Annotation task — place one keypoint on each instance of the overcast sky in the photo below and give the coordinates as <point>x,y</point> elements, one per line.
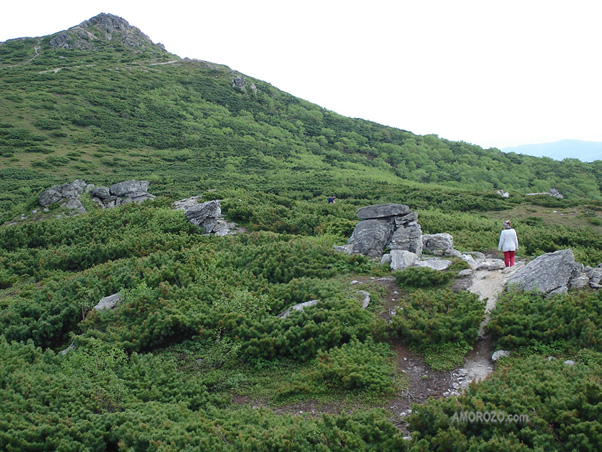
<point>491,73</point>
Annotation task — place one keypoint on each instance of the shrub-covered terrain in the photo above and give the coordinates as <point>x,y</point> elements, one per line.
<point>196,356</point>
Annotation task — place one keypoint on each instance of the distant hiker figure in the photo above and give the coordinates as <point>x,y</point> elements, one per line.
<point>331,199</point>
<point>508,243</point>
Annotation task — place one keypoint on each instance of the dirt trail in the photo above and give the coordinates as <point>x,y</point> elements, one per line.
<point>487,285</point>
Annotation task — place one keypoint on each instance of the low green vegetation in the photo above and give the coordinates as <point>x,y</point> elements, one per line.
<point>197,355</point>
<point>528,403</point>
<point>440,324</point>
<point>562,323</point>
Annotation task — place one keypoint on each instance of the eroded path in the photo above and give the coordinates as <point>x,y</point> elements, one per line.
<point>487,285</point>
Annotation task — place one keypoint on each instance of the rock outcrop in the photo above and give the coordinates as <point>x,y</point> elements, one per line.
<point>395,227</point>
<point>392,226</point>
<point>549,273</point>
<point>69,194</point>
<point>206,216</point>
<point>104,27</point>
<point>121,193</point>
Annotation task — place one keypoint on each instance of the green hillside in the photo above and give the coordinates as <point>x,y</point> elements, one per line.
<point>76,104</point>
<point>196,356</point>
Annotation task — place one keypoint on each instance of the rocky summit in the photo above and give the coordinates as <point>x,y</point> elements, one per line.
<point>102,28</point>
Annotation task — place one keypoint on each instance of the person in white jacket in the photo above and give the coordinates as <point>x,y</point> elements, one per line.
<point>508,243</point>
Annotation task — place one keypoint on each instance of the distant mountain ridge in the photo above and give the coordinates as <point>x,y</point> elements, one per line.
<point>586,151</point>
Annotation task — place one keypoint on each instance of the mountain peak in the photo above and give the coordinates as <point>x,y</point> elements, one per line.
<point>103,28</point>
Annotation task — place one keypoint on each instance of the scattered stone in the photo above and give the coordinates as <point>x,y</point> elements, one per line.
<point>68,349</point>
<point>435,263</point>
<point>492,264</point>
<point>499,354</point>
<point>383,226</point>
<point>69,194</point>
<point>207,216</point>
<point>345,249</point>
<point>298,307</point>
<point>366,300</point>
<point>465,273</point>
<point>569,362</point>
<point>108,302</point>
<point>405,413</point>
<point>551,192</point>
<point>386,259</point>
<point>454,253</point>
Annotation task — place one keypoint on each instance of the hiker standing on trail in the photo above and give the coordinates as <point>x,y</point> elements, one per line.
<point>508,243</point>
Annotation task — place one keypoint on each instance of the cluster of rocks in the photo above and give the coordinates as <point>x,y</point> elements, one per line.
<point>86,35</point>
<point>551,192</point>
<point>555,273</point>
<point>394,227</point>
<point>383,226</point>
<point>69,194</point>
<point>121,193</point>
<point>206,215</point>
<point>240,82</point>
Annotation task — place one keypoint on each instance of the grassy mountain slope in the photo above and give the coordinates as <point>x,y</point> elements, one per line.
<point>195,355</point>
<point>77,104</point>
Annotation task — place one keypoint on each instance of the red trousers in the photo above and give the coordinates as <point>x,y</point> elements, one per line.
<point>509,258</point>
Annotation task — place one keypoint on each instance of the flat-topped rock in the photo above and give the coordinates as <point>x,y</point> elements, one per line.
<point>382,211</point>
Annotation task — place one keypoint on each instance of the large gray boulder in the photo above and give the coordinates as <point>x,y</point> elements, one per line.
<point>101,192</point>
<point>402,259</point>
<point>382,211</point>
<point>383,226</point>
<point>370,237</point>
<point>549,273</point>
<point>205,215</point>
<point>75,204</point>
<point>407,237</point>
<point>50,196</point>
<point>137,197</point>
<point>438,242</point>
<point>129,187</point>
